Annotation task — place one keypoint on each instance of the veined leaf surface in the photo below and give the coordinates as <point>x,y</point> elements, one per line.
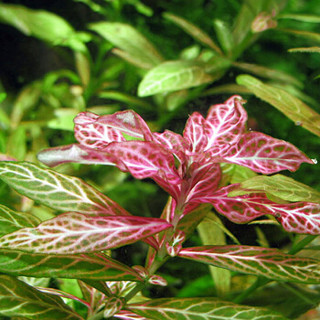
<point>266,262</point>
<point>57,190</point>
<point>200,309</point>
<point>292,107</point>
<point>173,76</point>
<point>80,266</point>
<point>12,220</point>
<point>280,186</point>
<point>78,233</point>
<point>19,299</point>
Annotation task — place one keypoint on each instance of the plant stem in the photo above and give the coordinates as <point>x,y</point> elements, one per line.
<point>301,244</point>
<point>134,291</point>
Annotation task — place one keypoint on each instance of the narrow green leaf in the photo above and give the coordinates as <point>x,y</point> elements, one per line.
<point>19,299</point>
<point>300,17</point>
<point>41,24</point>
<point>292,107</point>
<point>11,221</point>
<point>193,30</point>
<point>269,263</point>
<point>17,141</point>
<point>313,36</point>
<point>78,266</point>
<point>280,186</point>
<point>307,49</point>
<point>211,234</point>
<point>200,309</point>
<point>174,75</point>
<point>128,39</point>
<point>268,73</point>
<point>56,190</point>
<point>224,35</point>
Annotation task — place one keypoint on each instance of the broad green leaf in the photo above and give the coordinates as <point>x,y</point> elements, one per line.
<point>280,186</point>
<point>74,232</point>
<point>292,107</point>
<point>56,190</point>
<point>307,49</point>
<point>192,30</point>
<point>41,24</point>
<point>129,40</point>
<point>200,309</point>
<point>12,220</point>
<point>268,73</point>
<point>19,299</point>
<point>211,234</point>
<point>80,266</point>
<point>174,75</point>
<point>269,263</point>
<point>300,17</point>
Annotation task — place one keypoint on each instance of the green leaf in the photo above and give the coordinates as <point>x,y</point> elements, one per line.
<point>3,96</point>
<point>313,36</point>
<point>268,73</point>
<point>200,309</point>
<point>192,30</point>
<point>280,186</point>
<point>308,49</point>
<point>300,17</point>
<point>16,146</point>
<point>41,24</point>
<point>174,75</point>
<point>269,263</point>
<point>211,234</point>
<point>56,190</point>
<point>11,221</point>
<point>130,41</point>
<point>292,107</point>
<point>77,266</point>
<point>224,35</point>
<point>19,299</point>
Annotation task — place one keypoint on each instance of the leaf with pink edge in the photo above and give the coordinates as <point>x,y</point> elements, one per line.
<point>57,190</point>
<point>300,217</point>
<point>225,123</point>
<point>21,300</point>
<point>264,154</point>
<point>200,309</point>
<point>128,315</point>
<point>78,233</point>
<point>266,262</point>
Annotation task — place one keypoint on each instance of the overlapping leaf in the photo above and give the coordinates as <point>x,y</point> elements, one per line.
<point>292,107</point>
<point>19,299</point>
<point>280,186</point>
<point>57,190</point>
<point>266,262</point>
<point>300,217</point>
<point>12,220</point>
<point>199,309</point>
<point>78,233</point>
<point>93,266</point>
<point>264,154</point>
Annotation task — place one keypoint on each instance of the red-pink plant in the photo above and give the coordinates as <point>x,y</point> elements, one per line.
<point>188,166</point>
<point>192,168</point>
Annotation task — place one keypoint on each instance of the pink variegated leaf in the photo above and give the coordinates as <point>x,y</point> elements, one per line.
<point>225,123</point>
<point>125,122</point>
<point>78,233</point>
<point>173,142</point>
<point>266,262</point>
<point>194,133</point>
<point>112,306</point>
<point>264,154</point>
<point>91,133</point>
<point>299,217</point>
<point>205,180</point>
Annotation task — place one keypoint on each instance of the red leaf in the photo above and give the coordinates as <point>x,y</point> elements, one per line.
<point>225,123</point>
<point>265,154</point>
<point>300,217</point>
